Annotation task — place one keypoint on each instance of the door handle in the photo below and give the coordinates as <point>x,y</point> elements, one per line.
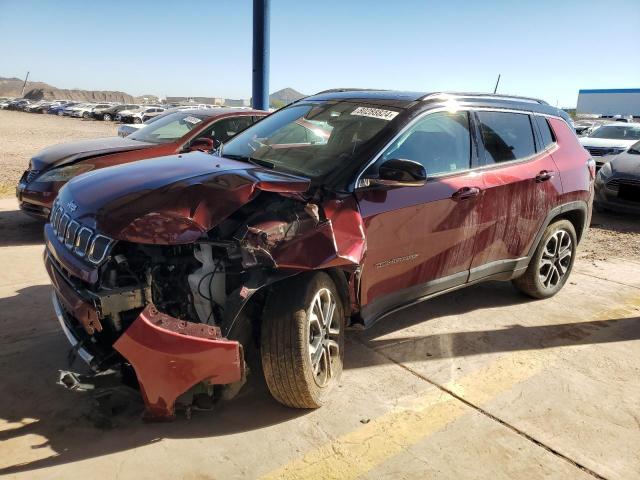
<point>466,192</point>
<point>545,175</point>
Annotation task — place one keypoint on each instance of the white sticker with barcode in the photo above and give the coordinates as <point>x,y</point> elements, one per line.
<point>191,119</point>
<point>375,113</point>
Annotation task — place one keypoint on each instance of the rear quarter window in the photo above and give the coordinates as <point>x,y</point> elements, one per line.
<point>545,131</point>
<point>506,136</point>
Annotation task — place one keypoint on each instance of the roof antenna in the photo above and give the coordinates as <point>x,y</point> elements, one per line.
<point>497,83</point>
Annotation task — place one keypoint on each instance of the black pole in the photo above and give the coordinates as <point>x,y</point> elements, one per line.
<point>260,90</point>
<point>24,84</point>
<point>497,83</point>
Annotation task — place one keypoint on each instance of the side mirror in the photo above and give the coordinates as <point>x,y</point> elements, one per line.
<point>201,145</point>
<point>398,172</point>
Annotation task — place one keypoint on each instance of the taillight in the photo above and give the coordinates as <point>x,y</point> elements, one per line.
<point>591,165</point>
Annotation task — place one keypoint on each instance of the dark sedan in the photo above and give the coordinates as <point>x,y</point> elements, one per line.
<point>109,114</point>
<point>618,183</point>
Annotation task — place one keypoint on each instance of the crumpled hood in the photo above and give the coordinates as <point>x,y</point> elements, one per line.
<point>626,164</point>
<point>65,153</point>
<point>605,142</point>
<point>169,200</point>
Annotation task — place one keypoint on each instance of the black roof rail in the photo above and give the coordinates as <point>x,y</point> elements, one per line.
<point>338,90</point>
<point>495,96</point>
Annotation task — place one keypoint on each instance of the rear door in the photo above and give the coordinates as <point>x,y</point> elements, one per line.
<point>521,185</point>
<point>420,239</point>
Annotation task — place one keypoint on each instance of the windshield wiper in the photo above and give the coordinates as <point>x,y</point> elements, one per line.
<point>255,161</point>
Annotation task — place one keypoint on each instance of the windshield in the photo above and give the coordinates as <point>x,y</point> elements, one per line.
<point>617,132</point>
<point>168,128</point>
<point>312,138</point>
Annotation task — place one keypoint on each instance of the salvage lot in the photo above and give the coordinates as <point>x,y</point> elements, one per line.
<point>480,383</point>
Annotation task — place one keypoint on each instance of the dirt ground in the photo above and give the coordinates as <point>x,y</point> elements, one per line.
<point>24,134</point>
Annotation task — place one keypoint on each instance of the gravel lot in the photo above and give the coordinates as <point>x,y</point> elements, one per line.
<point>24,134</point>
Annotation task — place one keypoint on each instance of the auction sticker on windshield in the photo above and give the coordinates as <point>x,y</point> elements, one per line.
<point>375,113</point>
<point>192,120</point>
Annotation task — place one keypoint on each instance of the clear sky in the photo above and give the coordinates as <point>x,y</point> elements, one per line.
<point>548,49</point>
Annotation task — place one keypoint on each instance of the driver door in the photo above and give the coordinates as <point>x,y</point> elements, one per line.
<point>420,239</point>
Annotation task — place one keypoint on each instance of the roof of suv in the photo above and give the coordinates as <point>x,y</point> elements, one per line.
<point>408,99</point>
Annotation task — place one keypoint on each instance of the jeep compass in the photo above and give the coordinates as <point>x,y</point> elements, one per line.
<point>336,211</point>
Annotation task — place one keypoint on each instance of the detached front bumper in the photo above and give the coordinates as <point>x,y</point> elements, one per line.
<point>168,355</point>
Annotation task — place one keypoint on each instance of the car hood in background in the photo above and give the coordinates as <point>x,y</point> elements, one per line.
<point>170,200</point>
<point>66,153</point>
<point>605,142</point>
<point>626,164</point>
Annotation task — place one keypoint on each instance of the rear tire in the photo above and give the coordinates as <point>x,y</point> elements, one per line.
<point>137,120</point>
<point>552,262</point>
<point>302,353</point>
<point>86,115</point>
<point>106,117</point>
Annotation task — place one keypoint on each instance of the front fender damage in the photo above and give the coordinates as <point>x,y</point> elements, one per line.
<point>170,356</point>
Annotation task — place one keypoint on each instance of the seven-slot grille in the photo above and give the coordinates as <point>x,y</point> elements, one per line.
<point>81,240</point>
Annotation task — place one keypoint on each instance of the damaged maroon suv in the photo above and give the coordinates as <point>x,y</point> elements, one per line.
<point>335,211</point>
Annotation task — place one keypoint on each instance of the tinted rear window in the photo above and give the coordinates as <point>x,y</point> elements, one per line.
<point>545,131</point>
<point>506,136</point>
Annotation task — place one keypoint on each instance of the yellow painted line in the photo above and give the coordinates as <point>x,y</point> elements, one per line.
<point>361,450</point>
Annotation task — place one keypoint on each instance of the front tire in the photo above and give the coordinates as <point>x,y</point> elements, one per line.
<point>106,117</point>
<point>552,262</point>
<point>86,115</point>
<point>137,120</point>
<point>302,340</point>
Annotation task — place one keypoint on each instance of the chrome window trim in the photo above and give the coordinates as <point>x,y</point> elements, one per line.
<point>462,108</point>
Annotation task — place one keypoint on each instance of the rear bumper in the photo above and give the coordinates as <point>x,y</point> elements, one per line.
<point>168,355</point>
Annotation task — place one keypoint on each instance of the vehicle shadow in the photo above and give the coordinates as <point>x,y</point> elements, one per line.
<point>76,426</point>
<point>16,228</point>
<point>616,222</point>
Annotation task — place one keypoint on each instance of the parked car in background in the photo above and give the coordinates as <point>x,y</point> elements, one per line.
<point>176,132</point>
<point>18,104</point>
<point>135,115</point>
<point>59,109</point>
<point>70,109</point>
<point>99,109</point>
<point>126,129</point>
<point>4,104</point>
<point>148,113</point>
<point>36,107</point>
<point>84,110</point>
<point>607,141</point>
<point>618,182</point>
<point>274,247</point>
<point>109,114</point>
<point>583,127</point>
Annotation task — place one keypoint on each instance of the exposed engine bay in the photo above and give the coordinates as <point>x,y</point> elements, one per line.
<point>192,282</point>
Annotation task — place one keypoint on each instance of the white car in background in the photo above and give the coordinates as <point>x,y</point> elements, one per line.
<point>136,115</point>
<point>79,110</point>
<point>129,128</point>
<point>609,140</point>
